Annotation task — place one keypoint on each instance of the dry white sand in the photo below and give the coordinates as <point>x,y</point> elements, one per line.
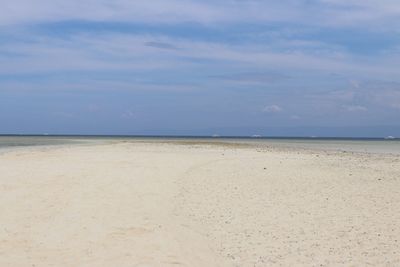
<point>169,204</point>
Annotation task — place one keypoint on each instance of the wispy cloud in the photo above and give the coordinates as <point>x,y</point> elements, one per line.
<point>272,109</point>
<point>295,117</point>
<point>161,45</point>
<point>231,57</point>
<point>362,96</point>
<point>253,77</point>
<point>129,51</point>
<point>356,108</point>
<point>325,12</point>
<point>128,114</point>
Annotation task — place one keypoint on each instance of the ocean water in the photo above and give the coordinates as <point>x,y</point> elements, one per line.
<point>348,145</point>
<point>9,142</point>
<point>338,144</point>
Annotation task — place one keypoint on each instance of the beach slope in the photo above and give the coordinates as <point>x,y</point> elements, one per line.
<point>197,204</point>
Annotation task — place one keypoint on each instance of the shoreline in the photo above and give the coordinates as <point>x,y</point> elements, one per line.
<point>362,146</point>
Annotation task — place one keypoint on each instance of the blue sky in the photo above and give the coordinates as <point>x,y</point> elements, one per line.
<point>304,67</point>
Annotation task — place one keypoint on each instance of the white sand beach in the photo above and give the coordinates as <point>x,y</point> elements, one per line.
<point>198,204</point>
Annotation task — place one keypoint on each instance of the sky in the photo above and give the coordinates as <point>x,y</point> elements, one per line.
<point>188,67</point>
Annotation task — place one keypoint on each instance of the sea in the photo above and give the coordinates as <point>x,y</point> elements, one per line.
<point>8,142</point>
<point>367,145</point>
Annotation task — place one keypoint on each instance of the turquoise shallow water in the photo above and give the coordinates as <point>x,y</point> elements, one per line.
<point>355,145</point>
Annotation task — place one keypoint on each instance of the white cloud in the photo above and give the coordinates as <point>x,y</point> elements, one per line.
<point>114,51</point>
<point>272,109</point>
<point>367,95</point>
<point>314,13</point>
<point>355,83</point>
<point>155,11</point>
<point>253,77</point>
<point>295,117</point>
<point>128,114</point>
<point>356,108</point>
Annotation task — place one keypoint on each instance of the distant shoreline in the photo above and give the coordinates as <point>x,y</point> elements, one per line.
<point>207,137</point>
<point>362,145</point>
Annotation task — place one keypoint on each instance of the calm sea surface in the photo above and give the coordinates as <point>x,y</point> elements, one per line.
<point>353,145</point>
<point>356,145</point>
<point>8,142</point>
